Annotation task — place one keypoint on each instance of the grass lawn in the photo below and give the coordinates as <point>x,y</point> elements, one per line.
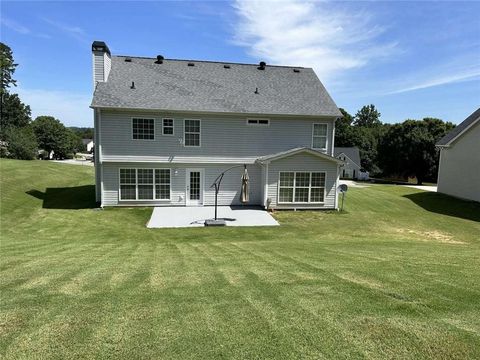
<point>395,276</point>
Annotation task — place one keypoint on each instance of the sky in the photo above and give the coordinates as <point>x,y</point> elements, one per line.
<point>411,59</point>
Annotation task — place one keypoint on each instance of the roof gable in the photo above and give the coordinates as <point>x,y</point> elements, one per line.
<point>212,87</point>
<point>295,151</point>
<point>460,129</point>
<point>353,153</point>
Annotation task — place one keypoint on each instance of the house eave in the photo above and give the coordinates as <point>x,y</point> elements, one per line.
<point>278,115</point>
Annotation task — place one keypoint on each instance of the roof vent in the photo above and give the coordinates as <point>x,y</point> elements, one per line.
<point>296,70</point>
<point>128,60</point>
<point>133,85</point>
<point>262,65</point>
<point>256,91</point>
<point>159,59</point>
<point>226,66</point>
<point>191,64</point>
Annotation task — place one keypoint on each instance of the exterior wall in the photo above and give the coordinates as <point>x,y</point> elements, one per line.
<point>229,191</point>
<point>222,136</point>
<point>102,63</point>
<point>304,162</point>
<point>96,140</point>
<point>459,172</point>
<point>350,170</point>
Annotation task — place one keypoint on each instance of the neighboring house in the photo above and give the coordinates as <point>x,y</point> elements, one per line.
<point>88,143</point>
<point>351,157</point>
<point>459,168</point>
<point>165,129</point>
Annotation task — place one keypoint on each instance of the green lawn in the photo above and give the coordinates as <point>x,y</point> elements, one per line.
<point>395,276</point>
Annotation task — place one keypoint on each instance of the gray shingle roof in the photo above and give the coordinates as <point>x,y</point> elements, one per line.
<point>352,152</point>
<point>459,128</point>
<point>210,87</point>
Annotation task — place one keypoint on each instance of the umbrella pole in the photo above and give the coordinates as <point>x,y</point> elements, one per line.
<point>216,194</point>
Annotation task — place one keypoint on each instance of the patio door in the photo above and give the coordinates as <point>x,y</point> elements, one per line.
<point>194,190</point>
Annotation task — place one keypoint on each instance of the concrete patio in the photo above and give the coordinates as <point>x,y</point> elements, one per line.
<point>177,217</point>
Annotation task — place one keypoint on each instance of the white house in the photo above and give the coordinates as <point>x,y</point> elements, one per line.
<point>88,143</point>
<point>351,157</point>
<point>166,128</point>
<point>459,168</point>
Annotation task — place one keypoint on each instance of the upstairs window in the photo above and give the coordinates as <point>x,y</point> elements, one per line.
<point>192,132</point>
<point>167,127</point>
<point>143,129</point>
<point>319,138</point>
<point>258,122</point>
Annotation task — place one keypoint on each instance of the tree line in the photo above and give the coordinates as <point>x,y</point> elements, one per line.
<point>396,151</point>
<point>20,137</point>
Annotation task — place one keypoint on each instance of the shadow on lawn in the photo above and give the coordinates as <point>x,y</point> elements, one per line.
<point>446,205</point>
<point>78,197</point>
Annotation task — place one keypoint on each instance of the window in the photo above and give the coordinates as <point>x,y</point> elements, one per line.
<point>128,179</point>
<point>258,122</point>
<point>192,133</point>
<point>319,138</point>
<point>162,184</point>
<point>144,184</point>
<point>167,127</point>
<point>301,187</point>
<point>143,129</point>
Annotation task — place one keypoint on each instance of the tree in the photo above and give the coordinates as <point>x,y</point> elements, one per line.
<point>22,143</point>
<point>343,129</point>
<point>408,149</point>
<point>7,67</point>
<point>14,113</point>
<point>52,135</point>
<point>367,116</point>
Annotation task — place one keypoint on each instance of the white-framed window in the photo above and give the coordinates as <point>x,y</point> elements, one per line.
<point>143,129</point>
<point>258,122</point>
<point>320,136</point>
<point>301,187</point>
<point>191,132</point>
<point>145,184</point>
<point>167,127</point>
<point>128,184</point>
<point>162,184</point>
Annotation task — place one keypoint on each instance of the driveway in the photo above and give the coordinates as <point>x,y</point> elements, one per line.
<point>180,216</point>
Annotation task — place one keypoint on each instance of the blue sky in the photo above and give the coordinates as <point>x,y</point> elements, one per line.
<point>411,59</point>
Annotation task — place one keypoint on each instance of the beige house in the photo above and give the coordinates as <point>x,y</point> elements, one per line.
<point>459,168</point>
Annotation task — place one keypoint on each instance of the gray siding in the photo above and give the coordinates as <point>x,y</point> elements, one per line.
<point>222,136</point>
<point>459,172</point>
<point>229,192</point>
<point>102,63</point>
<point>303,162</point>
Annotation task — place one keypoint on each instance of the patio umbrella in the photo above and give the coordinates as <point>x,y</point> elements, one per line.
<point>245,196</point>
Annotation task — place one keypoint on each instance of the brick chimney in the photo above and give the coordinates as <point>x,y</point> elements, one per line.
<point>101,62</point>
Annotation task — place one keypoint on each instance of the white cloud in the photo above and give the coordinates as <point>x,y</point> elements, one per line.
<point>19,28</point>
<point>74,31</point>
<point>467,73</point>
<point>70,108</point>
<point>317,34</point>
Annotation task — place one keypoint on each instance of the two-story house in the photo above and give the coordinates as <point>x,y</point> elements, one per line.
<point>165,129</point>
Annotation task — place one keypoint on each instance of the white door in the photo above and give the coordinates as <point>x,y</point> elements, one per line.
<point>194,191</point>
